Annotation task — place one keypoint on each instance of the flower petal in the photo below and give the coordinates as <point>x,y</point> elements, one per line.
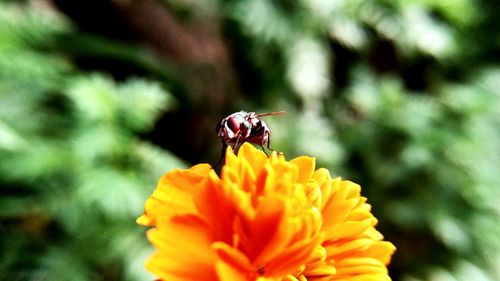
<point>253,156</point>
<point>268,233</point>
<point>215,204</point>
<point>178,240</point>
<point>173,194</point>
<point>264,219</point>
<point>306,166</point>
<point>294,256</point>
<point>232,265</point>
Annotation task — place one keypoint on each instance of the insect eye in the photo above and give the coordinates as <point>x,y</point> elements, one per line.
<point>233,124</point>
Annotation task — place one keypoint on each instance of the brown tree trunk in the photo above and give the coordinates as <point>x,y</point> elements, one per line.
<point>196,46</point>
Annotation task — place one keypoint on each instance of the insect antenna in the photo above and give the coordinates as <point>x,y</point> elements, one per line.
<point>271,113</point>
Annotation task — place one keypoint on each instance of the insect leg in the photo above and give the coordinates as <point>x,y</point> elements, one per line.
<point>264,150</point>
<point>222,153</point>
<point>236,143</point>
<point>266,137</point>
<point>269,142</point>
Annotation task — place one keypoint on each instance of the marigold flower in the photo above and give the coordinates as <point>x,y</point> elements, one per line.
<point>263,219</point>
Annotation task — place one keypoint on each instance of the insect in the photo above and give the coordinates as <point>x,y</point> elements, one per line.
<point>243,126</point>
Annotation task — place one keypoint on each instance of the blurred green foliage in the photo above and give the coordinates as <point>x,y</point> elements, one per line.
<point>399,96</point>
<point>74,173</point>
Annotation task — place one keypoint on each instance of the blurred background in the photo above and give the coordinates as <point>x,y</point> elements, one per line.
<point>99,98</point>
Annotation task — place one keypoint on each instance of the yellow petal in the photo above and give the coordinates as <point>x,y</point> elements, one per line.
<point>322,179</point>
<point>173,194</point>
<point>320,271</point>
<point>359,266</point>
<point>215,204</point>
<point>348,229</point>
<point>178,240</point>
<point>349,247</point>
<point>268,233</point>
<point>232,265</point>
<point>381,250</point>
<point>306,166</point>
<point>253,156</point>
<point>336,211</point>
<point>143,220</point>
<point>292,258</point>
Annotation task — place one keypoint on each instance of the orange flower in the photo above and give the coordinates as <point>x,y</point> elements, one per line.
<point>263,219</point>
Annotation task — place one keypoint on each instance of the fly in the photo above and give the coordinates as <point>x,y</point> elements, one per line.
<point>243,126</point>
